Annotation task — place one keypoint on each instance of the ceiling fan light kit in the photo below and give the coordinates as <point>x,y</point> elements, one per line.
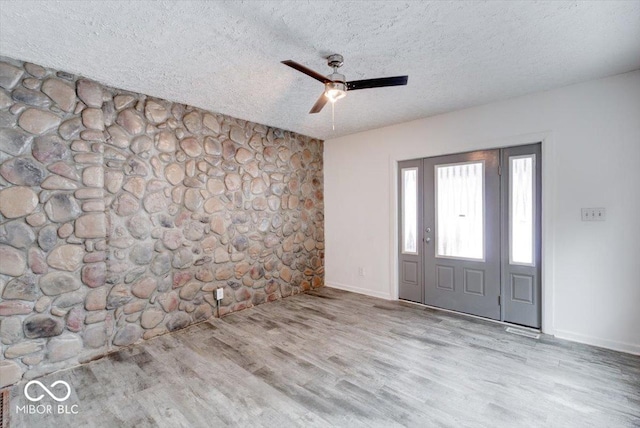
<point>336,85</point>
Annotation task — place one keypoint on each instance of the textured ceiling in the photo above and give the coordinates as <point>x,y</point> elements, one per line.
<point>225,56</point>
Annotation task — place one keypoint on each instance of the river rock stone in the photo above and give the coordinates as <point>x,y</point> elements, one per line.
<point>141,254</point>
<point>178,321</point>
<point>9,75</point>
<point>211,122</point>
<point>12,261</point>
<point>11,330</point>
<point>128,335</point>
<point>48,237</point>
<point>35,70</point>
<point>17,201</point>
<point>212,146</point>
<point>125,205</point>
<point>144,287</point>
<point>22,288</point>
<point>131,121</point>
<point>174,173</point>
<point>155,112</point>
<point>151,318</point>
<point>191,147</point>
<point>94,274</point>
<point>233,181</point>
<point>91,226</point>
<point>190,291</point>
<point>10,372</point>
<point>75,319</point>
<point>37,326</point>
<point>5,100</point>
<point>169,301</point>
<point>62,207</point>
<point>118,136</point>
<point>193,122</point>
<point>243,155</point>
<point>55,182</point>
<point>139,227</point>
<point>93,118</point>
<point>61,93</point>
<point>38,121</point>
<point>17,234</point>
<point>166,142</point>
<point>113,180</point>
<point>13,141</point>
<point>49,149</point>
<point>124,101</point>
<point>95,336</point>
<point>193,199</point>
<point>66,257</point>
<point>155,202</point>
<point>71,128</point>
<point>55,283</point>
<point>64,347</point>
<point>90,93</point>
<point>31,97</point>
<point>182,258</point>
<point>161,263</point>
<point>23,172</point>
<point>93,176</point>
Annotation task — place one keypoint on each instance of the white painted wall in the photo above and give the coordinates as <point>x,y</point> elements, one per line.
<point>591,155</point>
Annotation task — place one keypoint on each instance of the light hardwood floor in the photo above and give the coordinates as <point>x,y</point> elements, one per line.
<point>333,358</point>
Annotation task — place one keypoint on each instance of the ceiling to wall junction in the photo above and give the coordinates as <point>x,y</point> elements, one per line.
<point>225,56</point>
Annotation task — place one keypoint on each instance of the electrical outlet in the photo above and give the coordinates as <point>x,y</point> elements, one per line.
<point>219,293</point>
<point>360,271</point>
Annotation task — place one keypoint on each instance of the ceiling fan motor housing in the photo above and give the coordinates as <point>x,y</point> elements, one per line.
<point>335,61</point>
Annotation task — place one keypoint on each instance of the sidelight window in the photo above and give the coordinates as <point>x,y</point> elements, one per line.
<point>410,210</point>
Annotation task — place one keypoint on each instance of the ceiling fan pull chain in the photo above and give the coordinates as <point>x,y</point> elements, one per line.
<point>333,116</point>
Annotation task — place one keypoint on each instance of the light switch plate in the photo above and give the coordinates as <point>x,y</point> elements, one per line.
<point>594,214</point>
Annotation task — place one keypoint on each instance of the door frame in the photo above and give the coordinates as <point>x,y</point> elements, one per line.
<point>546,138</point>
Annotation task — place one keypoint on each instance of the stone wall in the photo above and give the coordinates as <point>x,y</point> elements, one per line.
<point>120,214</point>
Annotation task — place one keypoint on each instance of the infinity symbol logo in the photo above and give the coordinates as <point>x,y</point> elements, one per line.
<point>51,394</point>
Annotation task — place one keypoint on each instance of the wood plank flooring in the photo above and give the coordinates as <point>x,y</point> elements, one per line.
<point>333,358</point>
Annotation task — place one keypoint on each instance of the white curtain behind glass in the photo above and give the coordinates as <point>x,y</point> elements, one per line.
<point>410,211</point>
<point>460,211</point>
<point>522,209</point>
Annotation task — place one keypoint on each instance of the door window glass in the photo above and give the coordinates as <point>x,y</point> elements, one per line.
<point>410,210</point>
<point>460,210</point>
<point>521,209</point>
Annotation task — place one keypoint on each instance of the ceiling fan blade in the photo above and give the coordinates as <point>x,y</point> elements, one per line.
<point>377,83</point>
<point>309,72</point>
<point>319,104</point>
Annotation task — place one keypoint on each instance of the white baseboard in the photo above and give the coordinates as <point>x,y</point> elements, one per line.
<point>359,290</point>
<point>629,348</point>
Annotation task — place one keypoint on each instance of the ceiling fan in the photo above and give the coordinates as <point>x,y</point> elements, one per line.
<point>335,85</point>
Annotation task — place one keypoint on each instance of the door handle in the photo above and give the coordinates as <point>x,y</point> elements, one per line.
<point>427,240</point>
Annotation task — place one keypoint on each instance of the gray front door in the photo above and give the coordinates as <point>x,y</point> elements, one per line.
<point>461,230</point>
